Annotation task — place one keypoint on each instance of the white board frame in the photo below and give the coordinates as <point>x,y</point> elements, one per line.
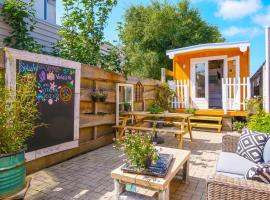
<point>11,55</point>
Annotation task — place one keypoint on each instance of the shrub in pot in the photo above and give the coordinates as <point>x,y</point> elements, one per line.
<point>139,150</point>
<point>18,120</point>
<point>127,107</point>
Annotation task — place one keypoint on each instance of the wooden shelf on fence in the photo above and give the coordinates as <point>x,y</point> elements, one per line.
<point>91,120</point>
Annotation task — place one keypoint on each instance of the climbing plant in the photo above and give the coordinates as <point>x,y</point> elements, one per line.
<point>20,16</point>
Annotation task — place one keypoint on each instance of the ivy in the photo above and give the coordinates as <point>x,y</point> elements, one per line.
<point>20,16</point>
<point>81,33</point>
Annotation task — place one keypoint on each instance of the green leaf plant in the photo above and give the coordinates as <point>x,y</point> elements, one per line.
<point>19,114</point>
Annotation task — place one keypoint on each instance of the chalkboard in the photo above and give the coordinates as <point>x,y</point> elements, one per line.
<point>55,88</point>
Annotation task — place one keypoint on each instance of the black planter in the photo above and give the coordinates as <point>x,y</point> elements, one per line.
<point>102,99</point>
<point>95,98</point>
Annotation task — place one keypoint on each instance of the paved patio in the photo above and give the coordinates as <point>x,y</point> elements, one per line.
<point>88,176</point>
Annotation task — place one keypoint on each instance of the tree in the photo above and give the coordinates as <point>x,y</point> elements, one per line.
<point>148,31</point>
<point>81,33</point>
<point>20,16</point>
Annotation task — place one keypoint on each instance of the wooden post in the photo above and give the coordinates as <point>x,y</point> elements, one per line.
<point>163,75</point>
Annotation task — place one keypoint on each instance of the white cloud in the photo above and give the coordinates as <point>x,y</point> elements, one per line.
<point>263,19</point>
<point>237,9</point>
<point>234,31</point>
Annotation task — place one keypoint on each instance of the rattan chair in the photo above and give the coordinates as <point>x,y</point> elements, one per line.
<point>220,187</point>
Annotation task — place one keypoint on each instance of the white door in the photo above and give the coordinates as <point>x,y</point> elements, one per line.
<point>199,84</point>
<point>233,73</point>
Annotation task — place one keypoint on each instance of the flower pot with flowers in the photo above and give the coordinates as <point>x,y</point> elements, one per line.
<point>99,96</point>
<point>139,150</point>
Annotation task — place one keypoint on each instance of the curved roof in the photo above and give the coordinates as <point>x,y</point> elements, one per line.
<point>228,45</point>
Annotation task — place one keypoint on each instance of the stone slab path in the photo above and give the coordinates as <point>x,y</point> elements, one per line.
<point>88,177</point>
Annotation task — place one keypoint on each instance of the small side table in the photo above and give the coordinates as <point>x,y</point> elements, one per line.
<point>161,185</point>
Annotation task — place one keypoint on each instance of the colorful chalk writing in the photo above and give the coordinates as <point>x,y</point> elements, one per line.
<point>54,83</point>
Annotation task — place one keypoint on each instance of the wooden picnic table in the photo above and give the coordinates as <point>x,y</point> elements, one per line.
<point>177,119</point>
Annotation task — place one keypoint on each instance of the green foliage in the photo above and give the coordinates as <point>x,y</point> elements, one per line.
<point>19,114</point>
<point>260,122</point>
<point>258,119</point>
<point>254,105</point>
<point>114,61</point>
<point>127,107</point>
<point>81,33</point>
<point>163,96</point>
<point>148,31</point>
<point>190,110</point>
<point>155,109</point>
<point>20,16</point>
<point>138,149</point>
<point>239,126</point>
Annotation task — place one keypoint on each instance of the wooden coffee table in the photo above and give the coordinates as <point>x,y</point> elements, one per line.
<point>161,185</point>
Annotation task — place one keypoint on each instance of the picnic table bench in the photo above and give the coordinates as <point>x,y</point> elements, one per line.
<point>206,122</point>
<point>174,130</point>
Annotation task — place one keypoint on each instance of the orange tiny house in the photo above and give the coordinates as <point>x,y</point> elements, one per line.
<point>213,78</point>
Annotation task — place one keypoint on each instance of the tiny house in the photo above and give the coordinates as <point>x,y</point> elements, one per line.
<point>213,78</point>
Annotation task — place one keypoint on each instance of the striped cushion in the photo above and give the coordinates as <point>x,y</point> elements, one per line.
<point>260,172</point>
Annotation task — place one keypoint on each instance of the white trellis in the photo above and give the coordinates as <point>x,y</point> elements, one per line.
<point>181,88</point>
<point>235,92</point>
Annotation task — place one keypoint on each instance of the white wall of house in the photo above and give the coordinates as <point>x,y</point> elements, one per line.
<point>46,30</point>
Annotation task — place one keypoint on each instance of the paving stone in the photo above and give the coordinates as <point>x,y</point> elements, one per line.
<point>91,172</point>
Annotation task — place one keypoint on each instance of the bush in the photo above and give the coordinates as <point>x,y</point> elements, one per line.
<point>163,96</point>
<point>260,122</point>
<point>19,114</point>
<point>239,126</point>
<point>155,109</point>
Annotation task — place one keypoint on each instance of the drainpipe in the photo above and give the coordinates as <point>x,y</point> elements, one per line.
<point>267,71</point>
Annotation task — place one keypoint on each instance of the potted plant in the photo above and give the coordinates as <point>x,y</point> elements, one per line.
<point>99,96</point>
<point>190,110</point>
<point>18,120</point>
<point>127,107</point>
<point>239,126</point>
<point>155,109</point>
<point>139,150</point>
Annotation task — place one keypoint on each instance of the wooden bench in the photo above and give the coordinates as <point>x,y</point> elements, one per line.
<point>178,132</point>
<point>203,122</point>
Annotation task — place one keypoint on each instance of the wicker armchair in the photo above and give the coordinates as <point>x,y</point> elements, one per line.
<point>220,187</point>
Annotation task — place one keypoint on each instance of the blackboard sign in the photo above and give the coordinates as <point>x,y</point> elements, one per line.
<point>55,96</point>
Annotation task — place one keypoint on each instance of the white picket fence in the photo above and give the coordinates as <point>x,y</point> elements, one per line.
<point>181,88</point>
<point>235,92</point>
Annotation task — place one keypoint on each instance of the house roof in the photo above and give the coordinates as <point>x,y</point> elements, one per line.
<point>228,45</point>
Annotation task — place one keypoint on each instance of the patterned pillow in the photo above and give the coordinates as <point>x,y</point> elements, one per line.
<point>251,145</point>
<point>260,172</point>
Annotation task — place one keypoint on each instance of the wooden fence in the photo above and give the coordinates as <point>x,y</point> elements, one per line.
<point>96,118</point>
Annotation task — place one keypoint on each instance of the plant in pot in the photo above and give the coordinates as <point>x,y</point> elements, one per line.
<point>139,150</point>
<point>127,107</point>
<point>99,96</point>
<point>18,120</point>
<point>190,110</point>
<point>239,126</point>
<point>155,109</point>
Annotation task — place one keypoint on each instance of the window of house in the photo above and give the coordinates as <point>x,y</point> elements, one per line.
<point>200,80</point>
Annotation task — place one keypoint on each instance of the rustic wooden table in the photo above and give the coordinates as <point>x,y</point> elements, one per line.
<point>161,185</point>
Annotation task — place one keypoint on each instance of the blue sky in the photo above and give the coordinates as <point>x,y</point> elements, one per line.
<point>238,20</point>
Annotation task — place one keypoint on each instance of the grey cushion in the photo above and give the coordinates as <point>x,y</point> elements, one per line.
<point>230,175</point>
<point>266,152</point>
<point>233,163</point>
